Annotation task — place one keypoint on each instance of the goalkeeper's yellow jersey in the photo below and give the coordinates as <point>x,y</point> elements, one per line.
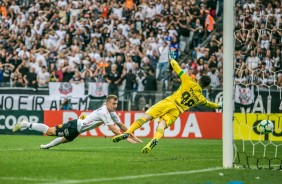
<point>189,94</point>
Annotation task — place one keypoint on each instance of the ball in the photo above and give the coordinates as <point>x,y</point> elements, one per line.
<point>266,126</point>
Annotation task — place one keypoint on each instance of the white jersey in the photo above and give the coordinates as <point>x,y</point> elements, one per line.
<point>97,118</point>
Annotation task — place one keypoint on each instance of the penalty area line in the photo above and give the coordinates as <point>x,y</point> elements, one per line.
<point>136,176</point>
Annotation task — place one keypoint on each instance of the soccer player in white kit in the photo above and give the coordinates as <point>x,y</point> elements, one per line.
<point>69,131</point>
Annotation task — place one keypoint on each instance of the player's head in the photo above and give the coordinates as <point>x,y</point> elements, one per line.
<point>204,81</point>
<point>111,103</point>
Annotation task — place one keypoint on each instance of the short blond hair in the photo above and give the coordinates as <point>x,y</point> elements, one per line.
<point>109,97</point>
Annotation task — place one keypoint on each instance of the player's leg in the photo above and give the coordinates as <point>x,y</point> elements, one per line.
<point>23,124</point>
<point>55,142</point>
<point>137,124</point>
<point>158,135</point>
<point>155,111</point>
<point>165,121</point>
<point>67,130</point>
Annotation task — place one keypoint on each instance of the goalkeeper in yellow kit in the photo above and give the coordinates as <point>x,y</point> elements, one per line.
<point>188,95</point>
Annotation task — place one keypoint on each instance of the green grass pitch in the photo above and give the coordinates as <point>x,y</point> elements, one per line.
<point>99,161</point>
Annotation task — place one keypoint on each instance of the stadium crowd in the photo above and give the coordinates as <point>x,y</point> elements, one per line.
<point>119,42</point>
<point>258,43</point>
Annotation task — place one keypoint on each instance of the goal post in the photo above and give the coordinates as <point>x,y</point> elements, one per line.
<point>228,91</point>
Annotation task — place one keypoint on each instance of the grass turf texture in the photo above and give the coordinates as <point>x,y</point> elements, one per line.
<point>98,160</point>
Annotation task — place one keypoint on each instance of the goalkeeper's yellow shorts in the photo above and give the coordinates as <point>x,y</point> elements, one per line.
<point>165,110</point>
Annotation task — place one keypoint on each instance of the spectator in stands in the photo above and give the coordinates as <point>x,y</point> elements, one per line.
<point>24,54</point>
<point>53,77</point>
<point>209,22</point>
<point>153,59</point>
<point>63,35</point>
<point>150,87</point>
<point>113,79</point>
<point>252,61</point>
<point>213,74</point>
<point>76,79</point>
<point>130,80</point>
<point>67,73</point>
<point>87,73</point>
<point>174,47</point>
<point>198,33</point>
<point>43,77</point>
<point>163,63</point>
<point>18,80</point>
<point>174,82</point>
<point>99,75</point>
<point>213,63</point>
<point>66,105</point>
<point>185,31</point>
<point>140,89</point>
<point>7,69</point>
<point>31,78</point>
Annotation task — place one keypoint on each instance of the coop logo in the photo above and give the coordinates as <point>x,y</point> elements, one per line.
<point>8,122</point>
<point>277,132</point>
<point>65,88</point>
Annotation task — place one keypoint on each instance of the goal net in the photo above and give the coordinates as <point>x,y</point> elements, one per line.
<point>257,84</point>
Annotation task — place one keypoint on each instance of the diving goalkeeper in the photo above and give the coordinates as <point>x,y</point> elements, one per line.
<point>188,95</point>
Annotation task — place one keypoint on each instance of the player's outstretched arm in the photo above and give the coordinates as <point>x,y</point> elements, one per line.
<point>178,70</point>
<point>117,132</point>
<point>136,138</point>
<point>213,105</point>
<point>124,128</point>
<point>205,102</point>
<point>176,67</point>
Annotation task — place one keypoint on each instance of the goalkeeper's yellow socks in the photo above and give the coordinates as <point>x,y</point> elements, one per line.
<point>159,134</point>
<point>137,124</point>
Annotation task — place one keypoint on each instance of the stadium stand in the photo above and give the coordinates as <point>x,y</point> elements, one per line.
<point>45,41</point>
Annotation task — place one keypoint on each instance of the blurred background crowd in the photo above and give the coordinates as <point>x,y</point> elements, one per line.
<point>127,43</point>
<point>258,43</point>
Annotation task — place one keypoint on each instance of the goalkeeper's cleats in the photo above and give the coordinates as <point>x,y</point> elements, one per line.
<point>120,137</point>
<point>20,125</point>
<point>149,146</point>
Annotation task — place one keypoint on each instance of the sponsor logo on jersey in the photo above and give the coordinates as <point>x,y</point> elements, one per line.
<point>61,134</point>
<point>66,132</point>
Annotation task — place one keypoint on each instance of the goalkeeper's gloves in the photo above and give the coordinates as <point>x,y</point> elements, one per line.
<point>220,105</point>
<point>171,55</point>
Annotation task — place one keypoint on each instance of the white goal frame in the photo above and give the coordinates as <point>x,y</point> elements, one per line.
<point>228,91</point>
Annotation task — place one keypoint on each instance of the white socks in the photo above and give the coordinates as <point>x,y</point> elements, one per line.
<point>53,143</point>
<point>39,127</point>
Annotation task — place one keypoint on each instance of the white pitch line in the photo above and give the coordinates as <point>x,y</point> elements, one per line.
<point>26,179</point>
<point>54,181</point>
<point>136,176</point>
<point>87,148</point>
